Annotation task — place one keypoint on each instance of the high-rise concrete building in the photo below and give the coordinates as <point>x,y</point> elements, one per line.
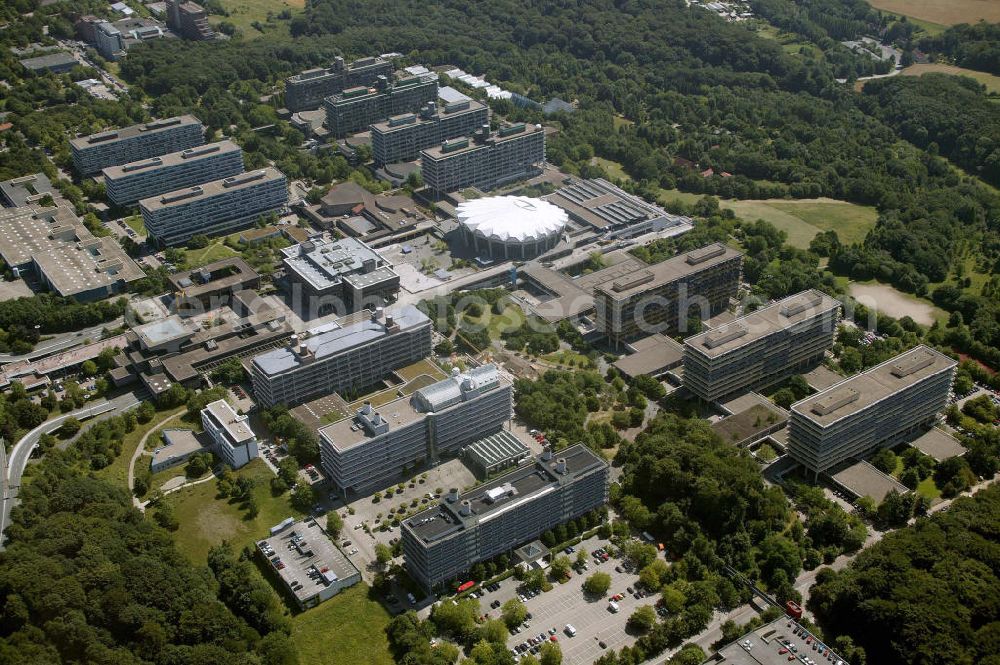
<point>214,208</point>
<point>356,353</point>
<point>346,274</point>
<point>373,448</point>
<point>486,160</point>
<point>189,20</point>
<point>402,137</point>
<point>355,108</point>
<point>445,541</point>
<point>108,41</point>
<point>235,442</point>
<point>130,183</point>
<point>663,296</point>
<point>886,405</point>
<point>131,144</point>
<point>761,348</point>
<point>306,91</point>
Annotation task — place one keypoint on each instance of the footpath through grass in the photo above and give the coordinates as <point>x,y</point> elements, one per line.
<point>117,471</point>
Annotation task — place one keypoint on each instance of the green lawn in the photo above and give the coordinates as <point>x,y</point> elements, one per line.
<point>614,169</point>
<point>135,223</point>
<point>348,628</point>
<point>206,520</point>
<point>117,471</point>
<point>243,13</point>
<point>667,195</point>
<point>803,219</point>
<point>195,258</point>
<point>619,121</point>
<point>565,357</point>
<point>496,324</point>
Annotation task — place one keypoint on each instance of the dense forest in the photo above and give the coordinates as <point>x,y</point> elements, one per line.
<point>975,46</point>
<point>926,594</point>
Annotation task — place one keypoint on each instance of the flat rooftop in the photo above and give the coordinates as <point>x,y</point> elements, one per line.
<point>27,189</point>
<point>863,479</point>
<point>600,204</point>
<point>347,333</point>
<point>403,120</point>
<point>155,333</point>
<point>499,136</point>
<point>671,270</point>
<point>60,59</point>
<point>84,142</point>
<point>231,272</point>
<point>651,355</point>
<point>938,444</point>
<point>325,263</point>
<point>526,482</point>
<point>762,645</point>
<point>208,190</point>
<point>497,447</point>
<point>762,323</point>
<point>236,427</point>
<point>862,390</point>
<point>176,443</point>
<point>188,156</point>
<point>310,559</point>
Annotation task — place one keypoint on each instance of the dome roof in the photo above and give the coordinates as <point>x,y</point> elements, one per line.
<point>512,218</point>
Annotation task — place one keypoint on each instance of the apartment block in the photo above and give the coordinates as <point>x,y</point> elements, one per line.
<point>888,404</point>
<point>214,208</point>
<point>761,348</point>
<point>660,298</point>
<point>234,441</point>
<point>306,91</point>
<point>108,41</point>
<point>356,352</point>
<point>373,448</point>
<point>443,542</point>
<point>344,275</point>
<point>402,137</point>
<point>131,144</point>
<point>130,183</point>
<point>189,20</point>
<point>354,109</point>
<point>486,160</point>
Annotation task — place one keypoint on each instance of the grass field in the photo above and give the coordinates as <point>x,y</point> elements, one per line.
<point>206,520</point>
<point>803,219</point>
<point>243,13</point>
<point>943,12</point>
<point>613,168</point>
<point>565,357</point>
<point>895,303</point>
<point>667,195</point>
<point>511,319</point>
<point>135,223</point>
<point>348,628</point>
<point>117,471</point>
<point>991,82</point>
<point>194,258</point>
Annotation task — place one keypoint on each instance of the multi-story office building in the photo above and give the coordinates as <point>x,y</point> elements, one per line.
<point>130,183</point>
<point>235,443</point>
<point>189,20</point>
<point>486,160</point>
<point>355,108</point>
<point>879,408</point>
<point>357,353</point>
<point>214,208</point>
<point>441,543</point>
<point>306,91</point>
<point>373,448</point>
<point>402,137</point>
<point>108,41</point>
<point>343,275</point>
<point>761,348</point>
<point>131,144</point>
<point>663,296</point>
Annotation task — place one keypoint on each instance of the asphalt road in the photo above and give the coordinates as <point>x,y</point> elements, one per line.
<point>61,342</point>
<point>21,452</point>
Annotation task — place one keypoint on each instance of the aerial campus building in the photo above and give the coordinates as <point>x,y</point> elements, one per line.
<point>355,352</point>
<point>306,91</point>
<point>188,19</point>
<point>402,137</point>
<point>131,144</point>
<point>443,542</point>
<point>343,275</point>
<point>214,208</point>
<point>235,443</point>
<point>661,297</point>
<point>486,160</point>
<point>881,407</point>
<point>54,245</point>
<point>130,183</point>
<point>372,449</point>
<point>510,227</point>
<point>761,348</point>
<point>354,109</point>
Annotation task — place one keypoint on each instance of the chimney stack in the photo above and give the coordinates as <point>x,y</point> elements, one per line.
<point>388,321</point>
<point>546,453</point>
<point>561,465</point>
<point>466,508</point>
<point>452,495</point>
<point>366,408</point>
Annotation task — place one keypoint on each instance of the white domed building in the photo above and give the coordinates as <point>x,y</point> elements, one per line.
<point>511,227</point>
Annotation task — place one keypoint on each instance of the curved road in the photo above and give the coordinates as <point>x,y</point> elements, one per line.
<point>61,342</point>
<point>21,452</point>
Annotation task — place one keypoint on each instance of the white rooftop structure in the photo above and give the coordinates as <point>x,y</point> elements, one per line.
<point>456,388</point>
<point>512,218</point>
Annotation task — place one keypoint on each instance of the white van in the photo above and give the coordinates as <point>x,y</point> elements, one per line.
<point>570,630</point>
<point>613,606</point>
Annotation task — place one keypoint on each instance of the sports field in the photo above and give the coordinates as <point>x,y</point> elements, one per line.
<point>991,82</point>
<point>803,219</point>
<point>943,12</point>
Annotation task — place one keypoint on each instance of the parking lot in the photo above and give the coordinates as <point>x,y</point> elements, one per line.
<point>568,604</point>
